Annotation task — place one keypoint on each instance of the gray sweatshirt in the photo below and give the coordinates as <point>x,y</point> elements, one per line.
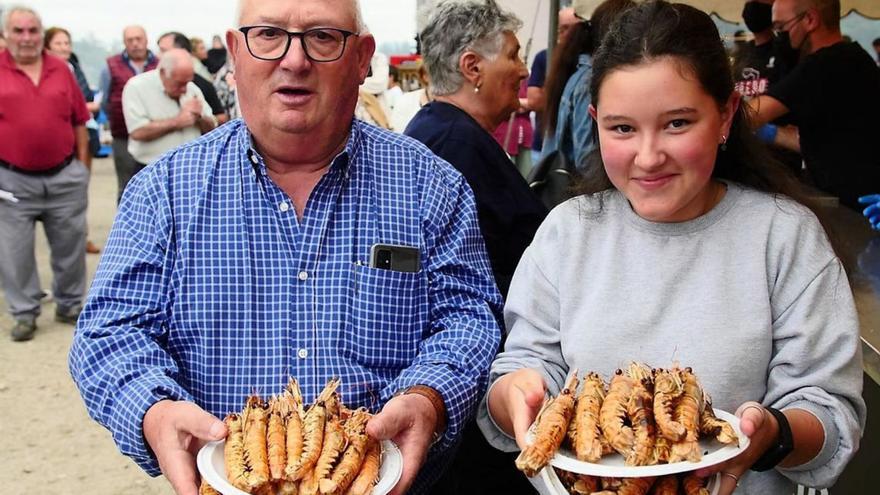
<point>750,295</point>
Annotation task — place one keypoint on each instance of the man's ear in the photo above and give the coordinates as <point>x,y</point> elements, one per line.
<point>232,45</point>
<point>470,64</point>
<point>366,47</point>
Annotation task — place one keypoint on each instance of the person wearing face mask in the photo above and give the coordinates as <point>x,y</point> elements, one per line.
<point>830,95</point>
<point>756,64</point>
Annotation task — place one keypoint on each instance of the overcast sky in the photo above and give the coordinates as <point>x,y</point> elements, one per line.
<point>389,20</point>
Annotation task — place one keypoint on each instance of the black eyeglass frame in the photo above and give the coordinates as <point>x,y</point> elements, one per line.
<point>302,41</point>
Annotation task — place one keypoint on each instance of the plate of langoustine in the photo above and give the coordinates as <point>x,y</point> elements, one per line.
<point>644,423</point>
<point>278,447</point>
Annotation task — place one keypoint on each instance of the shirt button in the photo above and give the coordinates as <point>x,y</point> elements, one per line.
<point>303,353</point>
<point>283,206</point>
<point>303,275</point>
<point>254,159</point>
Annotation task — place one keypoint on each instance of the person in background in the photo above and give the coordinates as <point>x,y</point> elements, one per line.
<point>757,65</point>
<point>409,103</point>
<point>57,41</point>
<point>566,118</point>
<point>224,83</point>
<point>832,98</point>
<point>164,109</point>
<point>200,51</point>
<point>393,92</point>
<point>472,55</point>
<point>134,59</point>
<point>2,43</point>
<point>685,218</point>
<point>216,55</point>
<point>202,78</point>
<point>44,166</point>
<point>538,76</point>
<point>244,257</point>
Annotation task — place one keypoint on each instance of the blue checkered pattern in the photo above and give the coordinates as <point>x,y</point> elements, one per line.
<point>211,288</point>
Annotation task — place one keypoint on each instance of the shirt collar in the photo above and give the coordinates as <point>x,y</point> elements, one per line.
<point>341,163</point>
<point>150,57</point>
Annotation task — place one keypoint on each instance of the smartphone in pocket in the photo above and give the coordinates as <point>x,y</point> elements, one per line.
<point>394,258</point>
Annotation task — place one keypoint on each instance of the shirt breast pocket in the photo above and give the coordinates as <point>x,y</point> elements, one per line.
<point>387,318</point>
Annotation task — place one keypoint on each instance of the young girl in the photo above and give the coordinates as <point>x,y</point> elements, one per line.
<point>688,247</point>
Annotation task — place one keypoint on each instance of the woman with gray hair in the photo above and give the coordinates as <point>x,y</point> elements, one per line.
<point>472,55</point>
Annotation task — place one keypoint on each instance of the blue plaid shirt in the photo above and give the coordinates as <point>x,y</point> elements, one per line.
<point>210,288</point>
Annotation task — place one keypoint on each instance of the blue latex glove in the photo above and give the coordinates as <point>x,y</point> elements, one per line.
<point>872,212</point>
<point>767,133</point>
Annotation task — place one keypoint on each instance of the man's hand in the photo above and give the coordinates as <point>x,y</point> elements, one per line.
<point>761,428</point>
<point>193,105</point>
<point>186,118</point>
<point>409,420</point>
<point>175,431</point>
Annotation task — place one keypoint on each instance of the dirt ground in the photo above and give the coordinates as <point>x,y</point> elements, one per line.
<point>50,445</point>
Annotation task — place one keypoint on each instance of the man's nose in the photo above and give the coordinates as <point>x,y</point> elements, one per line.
<point>295,59</point>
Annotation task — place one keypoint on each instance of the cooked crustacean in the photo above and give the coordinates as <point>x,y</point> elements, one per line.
<point>206,489</point>
<point>585,425</point>
<point>665,485</point>
<point>366,479</point>
<point>714,427</point>
<point>641,415</point>
<point>313,433</point>
<point>635,486</point>
<point>292,398</point>
<point>667,390</point>
<point>350,462</point>
<point>256,425</point>
<point>578,484</point>
<point>613,414</point>
<point>551,426</point>
<point>233,452</point>
<point>276,437</point>
<point>662,450</point>
<point>687,412</point>
<point>694,485</point>
<point>334,444</point>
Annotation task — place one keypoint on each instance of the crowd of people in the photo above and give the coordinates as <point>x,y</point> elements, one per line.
<point>259,179</point>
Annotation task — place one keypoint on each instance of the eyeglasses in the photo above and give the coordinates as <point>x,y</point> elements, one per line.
<point>780,27</point>
<point>272,43</point>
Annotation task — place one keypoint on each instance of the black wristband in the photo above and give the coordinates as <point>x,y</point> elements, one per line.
<point>779,450</point>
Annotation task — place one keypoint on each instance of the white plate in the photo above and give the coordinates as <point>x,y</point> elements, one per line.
<point>555,487</point>
<point>612,465</point>
<point>213,469</point>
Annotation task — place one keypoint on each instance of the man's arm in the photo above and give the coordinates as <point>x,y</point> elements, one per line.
<point>765,109</point>
<point>82,145</point>
<point>158,128</point>
<point>104,86</point>
<point>117,358</point>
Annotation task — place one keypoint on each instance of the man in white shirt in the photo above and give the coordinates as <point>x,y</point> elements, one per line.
<point>164,109</point>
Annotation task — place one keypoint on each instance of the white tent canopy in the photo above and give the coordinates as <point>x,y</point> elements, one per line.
<point>731,10</point>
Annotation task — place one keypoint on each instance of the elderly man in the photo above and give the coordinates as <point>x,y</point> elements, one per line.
<point>43,173</point>
<point>202,77</point>
<point>298,241</point>
<point>831,96</point>
<point>134,60</point>
<point>164,109</point>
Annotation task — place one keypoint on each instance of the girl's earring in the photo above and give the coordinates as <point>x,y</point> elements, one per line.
<point>723,143</point>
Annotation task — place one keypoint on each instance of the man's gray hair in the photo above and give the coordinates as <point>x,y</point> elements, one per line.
<point>358,16</point>
<point>12,9</point>
<point>172,59</point>
<point>456,27</point>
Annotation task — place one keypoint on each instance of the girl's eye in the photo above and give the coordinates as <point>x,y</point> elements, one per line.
<point>678,123</point>
<point>623,129</point>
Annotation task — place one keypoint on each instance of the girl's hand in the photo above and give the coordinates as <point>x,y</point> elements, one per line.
<point>762,429</point>
<point>515,401</point>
